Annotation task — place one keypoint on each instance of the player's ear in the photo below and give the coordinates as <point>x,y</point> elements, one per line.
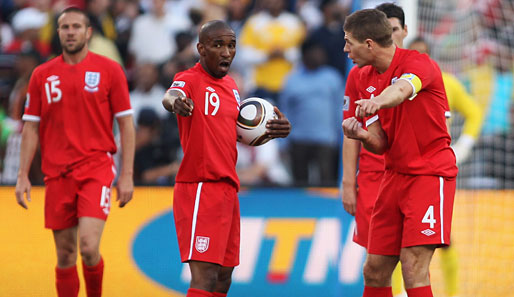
<point>200,48</point>
<point>89,32</point>
<point>369,43</point>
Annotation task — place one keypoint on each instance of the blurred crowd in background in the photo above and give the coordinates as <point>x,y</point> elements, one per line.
<point>288,51</point>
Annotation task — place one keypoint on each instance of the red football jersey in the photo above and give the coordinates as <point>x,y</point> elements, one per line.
<point>418,139</point>
<point>208,137</point>
<point>367,160</point>
<point>75,106</point>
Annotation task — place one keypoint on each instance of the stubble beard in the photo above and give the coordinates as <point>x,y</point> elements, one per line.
<point>73,50</point>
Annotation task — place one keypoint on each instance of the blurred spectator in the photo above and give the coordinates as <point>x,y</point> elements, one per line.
<point>147,93</point>
<point>154,163</point>
<point>269,46</point>
<point>101,20</point>
<point>6,35</point>
<point>184,58</point>
<point>124,14</point>
<point>309,13</point>
<point>261,165</point>
<point>312,100</point>
<point>159,46</point>
<point>330,35</point>
<point>11,124</point>
<point>104,46</point>
<point>27,24</point>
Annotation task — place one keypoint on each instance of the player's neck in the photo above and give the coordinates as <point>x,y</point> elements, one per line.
<point>384,59</point>
<point>75,58</point>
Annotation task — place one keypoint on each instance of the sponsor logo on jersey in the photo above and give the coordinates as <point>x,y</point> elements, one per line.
<point>346,103</point>
<point>202,243</point>
<point>92,80</point>
<point>428,232</point>
<point>236,94</point>
<point>371,89</point>
<point>178,83</point>
<point>211,89</point>
<point>52,77</point>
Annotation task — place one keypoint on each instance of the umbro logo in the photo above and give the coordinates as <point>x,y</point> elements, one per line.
<point>371,89</point>
<point>428,232</point>
<point>211,89</point>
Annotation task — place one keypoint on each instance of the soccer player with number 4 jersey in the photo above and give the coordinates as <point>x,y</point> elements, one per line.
<point>71,103</point>
<point>205,202</point>
<point>404,112</point>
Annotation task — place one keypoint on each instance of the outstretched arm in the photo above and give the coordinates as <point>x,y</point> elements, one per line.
<point>29,142</point>
<point>177,102</point>
<point>391,96</point>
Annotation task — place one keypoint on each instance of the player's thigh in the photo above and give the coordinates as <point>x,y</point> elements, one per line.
<point>90,233</point>
<point>66,246</point>
<point>428,209</point>
<point>231,258</point>
<point>61,203</point>
<point>203,215</point>
<point>369,183</point>
<point>94,197</point>
<point>386,222</point>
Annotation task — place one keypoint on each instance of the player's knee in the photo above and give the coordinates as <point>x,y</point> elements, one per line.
<point>373,275</point>
<point>414,272</point>
<point>224,281</point>
<point>66,256</point>
<point>89,252</point>
<point>204,279</point>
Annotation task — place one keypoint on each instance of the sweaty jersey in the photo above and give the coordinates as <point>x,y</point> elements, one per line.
<point>75,106</point>
<point>208,137</point>
<point>368,162</point>
<point>418,139</point>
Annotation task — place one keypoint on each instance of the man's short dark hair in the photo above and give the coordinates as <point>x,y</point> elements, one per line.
<point>393,11</point>
<point>76,10</point>
<point>369,24</point>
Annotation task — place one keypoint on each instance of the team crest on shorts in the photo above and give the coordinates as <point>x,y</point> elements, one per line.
<point>92,80</point>
<point>202,243</point>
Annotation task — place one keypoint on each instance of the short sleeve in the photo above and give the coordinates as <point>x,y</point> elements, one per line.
<point>182,84</point>
<point>350,94</point>
<point>419,71</point>
<point>33,101</point>
<point>119,96</point>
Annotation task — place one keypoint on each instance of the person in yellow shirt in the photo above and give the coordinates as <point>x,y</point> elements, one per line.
<point>270,41</point>
<point>460,101</point>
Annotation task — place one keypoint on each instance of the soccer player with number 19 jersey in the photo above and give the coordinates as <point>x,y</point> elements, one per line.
<point>405,120</point>
<point>71,103</point>
<point>205,202</point>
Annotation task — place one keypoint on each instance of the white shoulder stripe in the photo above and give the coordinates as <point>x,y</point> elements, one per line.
<point>371,120</point>
<point>124,113</point>
<point>181,91</point>
<point>31,118</point>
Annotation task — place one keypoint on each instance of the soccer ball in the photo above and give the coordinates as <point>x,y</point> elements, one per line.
<point>254,113</point>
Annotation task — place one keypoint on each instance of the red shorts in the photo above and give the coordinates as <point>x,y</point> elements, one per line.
<point>83,192</point>
<point>411,210</point>
<point>369,183</point>
<point>207,220</point>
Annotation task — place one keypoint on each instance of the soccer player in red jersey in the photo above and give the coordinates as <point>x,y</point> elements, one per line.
<point>206,206</point>
<point>71,103</point>
<point>405,120</point>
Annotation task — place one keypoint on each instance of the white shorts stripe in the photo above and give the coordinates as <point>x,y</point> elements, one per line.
<point>195,214</point>
<point>441,206</point>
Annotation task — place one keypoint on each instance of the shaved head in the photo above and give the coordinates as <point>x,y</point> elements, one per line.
<point>210,27</point>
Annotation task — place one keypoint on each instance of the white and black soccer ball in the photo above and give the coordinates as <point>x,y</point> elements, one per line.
<point>254,113</point>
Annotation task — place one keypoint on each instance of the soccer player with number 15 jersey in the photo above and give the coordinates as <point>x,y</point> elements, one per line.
<point>71,103</point>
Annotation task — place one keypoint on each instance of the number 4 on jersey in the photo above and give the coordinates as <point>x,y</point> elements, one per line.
<point>429,217</point>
